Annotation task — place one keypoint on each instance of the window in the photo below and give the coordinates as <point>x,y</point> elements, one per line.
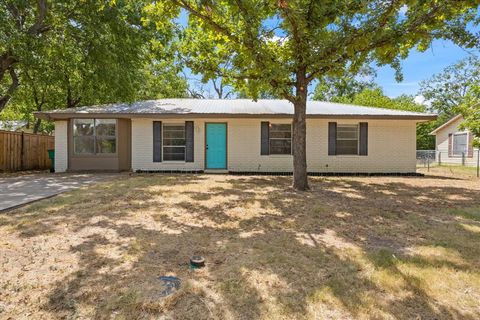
<point>347,139</point>
<point>94,136</point>
<point>280,139</point>
<point>173,142</point>
<point>460,144</point>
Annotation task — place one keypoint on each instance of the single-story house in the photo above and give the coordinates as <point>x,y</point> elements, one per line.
<point>453,145</point>
<point>235,136</point>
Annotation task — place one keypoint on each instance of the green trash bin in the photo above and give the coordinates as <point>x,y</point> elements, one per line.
<point>51,155</point>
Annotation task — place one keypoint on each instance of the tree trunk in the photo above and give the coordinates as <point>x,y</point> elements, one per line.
<point>38,104</point>
<point>11,89</point>
<point>300,180</point>
<point>36,126</point>
<point>71,101</point>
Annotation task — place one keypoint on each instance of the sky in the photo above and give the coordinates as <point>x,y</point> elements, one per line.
<point>416,67</point>
<point>421,66</point>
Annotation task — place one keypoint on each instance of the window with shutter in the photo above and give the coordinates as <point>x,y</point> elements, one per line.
<point>173,142</point>
<point>280,138</point>
<point>460,144</point>
<point>347,141</point>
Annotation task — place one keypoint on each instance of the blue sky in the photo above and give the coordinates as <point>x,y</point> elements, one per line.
<point>417,67</point>
<point>420,66</point>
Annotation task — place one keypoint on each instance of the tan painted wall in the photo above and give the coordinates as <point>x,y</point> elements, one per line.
<point>61,146</point>
<point>124,144</point>
<point>442,145</point>
<point>119,161</point>
<point>392,146</point>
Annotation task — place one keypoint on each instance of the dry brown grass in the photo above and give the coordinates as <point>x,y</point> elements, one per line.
<point>352,248</point>
<point>462,172</point>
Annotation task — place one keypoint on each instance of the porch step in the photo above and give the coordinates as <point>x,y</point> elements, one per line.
<point>216,171</point>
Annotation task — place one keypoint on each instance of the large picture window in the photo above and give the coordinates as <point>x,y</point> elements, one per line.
<point>174,142</point>
<point>94,136</point>
<point>460,144</point>
<point>280,139</point>
<point>347,139</point>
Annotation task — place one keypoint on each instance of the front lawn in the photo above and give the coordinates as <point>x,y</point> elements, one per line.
<point>461,172</point>
<point>352,248</point>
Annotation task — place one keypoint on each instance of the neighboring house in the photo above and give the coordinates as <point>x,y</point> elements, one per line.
<point>237,136</point>
<point>454,146</point>
<point>13,125</point>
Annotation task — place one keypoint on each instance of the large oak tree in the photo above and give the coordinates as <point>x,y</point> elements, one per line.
<point>281,46</point>
<point>62,54</point>
<point>21,23</point>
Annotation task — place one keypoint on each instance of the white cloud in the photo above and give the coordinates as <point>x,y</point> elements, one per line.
<point>421,100</point>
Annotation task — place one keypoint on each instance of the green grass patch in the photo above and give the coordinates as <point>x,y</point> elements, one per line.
<point>472,213</point>
<point>383,258</point>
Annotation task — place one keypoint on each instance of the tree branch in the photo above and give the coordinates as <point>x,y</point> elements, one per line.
<point>250,43</point>
<point>218,89</point>
<point>15,13</point>
<point>11,89</point>
<point>39,27</point>
<point>7,60</point>
<point>375,44</point>
<point>207,19</point>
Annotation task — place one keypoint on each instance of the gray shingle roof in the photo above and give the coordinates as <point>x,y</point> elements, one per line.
<point>228,108</point>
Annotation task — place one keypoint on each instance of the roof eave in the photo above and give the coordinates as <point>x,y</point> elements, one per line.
<point>65,116</point>
<point>43,115</point>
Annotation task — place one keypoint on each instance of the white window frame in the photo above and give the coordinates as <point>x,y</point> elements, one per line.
<point>466,144</point>
<point>173,146</point>
<point>270,138</point>
<point>344,139</point>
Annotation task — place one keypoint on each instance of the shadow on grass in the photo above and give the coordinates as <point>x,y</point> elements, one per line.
<point>269,249</point>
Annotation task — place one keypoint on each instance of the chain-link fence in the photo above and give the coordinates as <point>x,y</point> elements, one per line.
<point>462,163</point>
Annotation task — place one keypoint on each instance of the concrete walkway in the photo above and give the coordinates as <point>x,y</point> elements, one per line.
<point>20,190</point>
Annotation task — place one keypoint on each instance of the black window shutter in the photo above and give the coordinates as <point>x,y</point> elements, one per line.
<point>264,137</point>
<point>189,141</point>
<point>332,138</point>
<point>292,143</point>
<point>157,141</point>
<point>450,144</point>
<point>363,139</point>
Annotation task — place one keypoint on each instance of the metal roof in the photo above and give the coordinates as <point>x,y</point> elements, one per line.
<point>230,108</point>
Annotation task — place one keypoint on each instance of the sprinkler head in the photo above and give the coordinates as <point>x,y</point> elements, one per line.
<point>197,262</point>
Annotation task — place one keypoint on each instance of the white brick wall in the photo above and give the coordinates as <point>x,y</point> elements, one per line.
<point>442,145</point>
<point>142,147</point>
<point>392,146</point>
<point>61,146</point>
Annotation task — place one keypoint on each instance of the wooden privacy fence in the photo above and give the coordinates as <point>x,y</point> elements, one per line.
<point>24,151</point>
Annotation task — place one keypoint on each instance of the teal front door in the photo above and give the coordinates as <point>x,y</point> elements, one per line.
<point>216,145</point>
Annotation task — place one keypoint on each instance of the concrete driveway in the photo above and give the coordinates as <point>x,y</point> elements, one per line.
<point>19,190</point>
